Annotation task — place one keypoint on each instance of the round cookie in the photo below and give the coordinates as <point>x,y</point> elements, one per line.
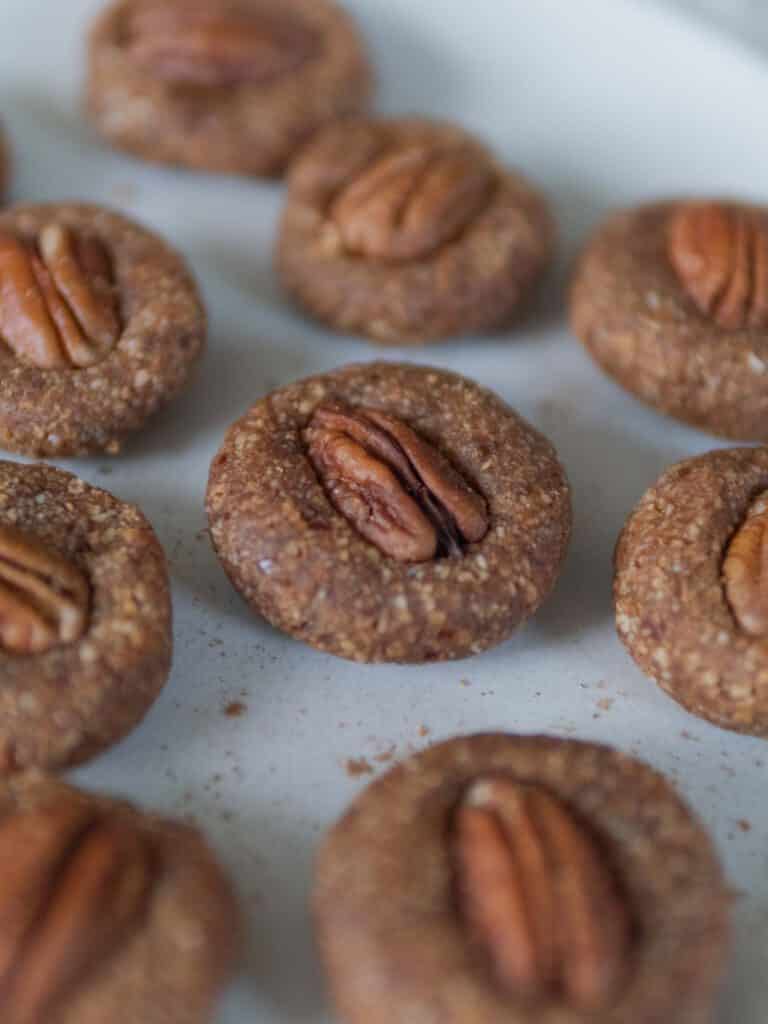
<point>231,86</point>
<point>388,512</point>
<point>100,326</point>
<point>671,300</point>
<point>408,231</point>
<point>109,913</point>
<point>504,879</point>
<point>85,618</point>
<point>687,588</point>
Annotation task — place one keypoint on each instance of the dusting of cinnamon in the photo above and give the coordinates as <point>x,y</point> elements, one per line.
<point>235,709</point>
<point>357,766</point>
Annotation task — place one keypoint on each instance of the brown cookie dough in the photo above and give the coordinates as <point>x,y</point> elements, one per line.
<point>233,86</point>
<point>500,879</point>
<point>690,586</point>
<point>100,326</point>
<point>85,618</point>
<point>408,231</point>
<point>109,913</point>
<point>671,300</point>
<point>386,512</point>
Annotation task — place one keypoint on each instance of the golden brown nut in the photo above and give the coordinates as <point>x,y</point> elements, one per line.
<point>720,253</point>
<point>43,597</point>
<point>539,896</point>
<point>58,303</point>
<point>393,486</point>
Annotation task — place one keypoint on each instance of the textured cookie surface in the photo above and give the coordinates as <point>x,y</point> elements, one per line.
<point>76,410</point>
<point>109,913</point>
<point>672,607</point>
<point>638,320</point>
<point>63,704</point>
<point>409,230</point>
<point>302,564</point>
<point>387,890</point>
<point>232,86</point>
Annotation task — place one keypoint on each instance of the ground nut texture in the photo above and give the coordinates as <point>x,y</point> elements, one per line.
<point>671,607</point>
<point>306,569</point>
<point>385,896</point>
<point>237,127</point>
<point>65,705</point>
<point>636,320</point>
<point>171,964</point>
<point>69,411</point>
<point>475,279</point>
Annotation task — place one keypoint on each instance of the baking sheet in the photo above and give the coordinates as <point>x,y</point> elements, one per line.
<point>263,741</point>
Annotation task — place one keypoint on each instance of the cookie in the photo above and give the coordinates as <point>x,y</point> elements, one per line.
<point>387,512</point>
<point>408,231</point>
<point>499,878</point>
<point>85,618</point>
<point>100,326</point>
<point>690,590</point>
<point>231,86</point>
<point>109,913</point>
<point>671,300</point>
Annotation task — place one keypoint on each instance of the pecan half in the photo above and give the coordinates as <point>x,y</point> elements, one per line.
<point>392,485</point>
<point>720,253</point>
<point>57,298</point>
<point>745,570</point>
<point>43,597</point>
<point>231,45</point>
<point>537,896</point>
<point>411,201</point>
<point>74,889</point>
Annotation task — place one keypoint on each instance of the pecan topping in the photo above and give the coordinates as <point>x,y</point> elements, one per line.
<point>745,570</point>
<point>409,202</point>
<point>720,253</point>
<point>57,299</point>
<point>537,896</point>
<point>74,888</point>
<point>234,45</point>
<point>43,597</point>
<point>392,485</point>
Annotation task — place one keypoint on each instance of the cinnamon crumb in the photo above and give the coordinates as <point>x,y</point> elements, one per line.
<point>386,755</point>
<point>357,766</point>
